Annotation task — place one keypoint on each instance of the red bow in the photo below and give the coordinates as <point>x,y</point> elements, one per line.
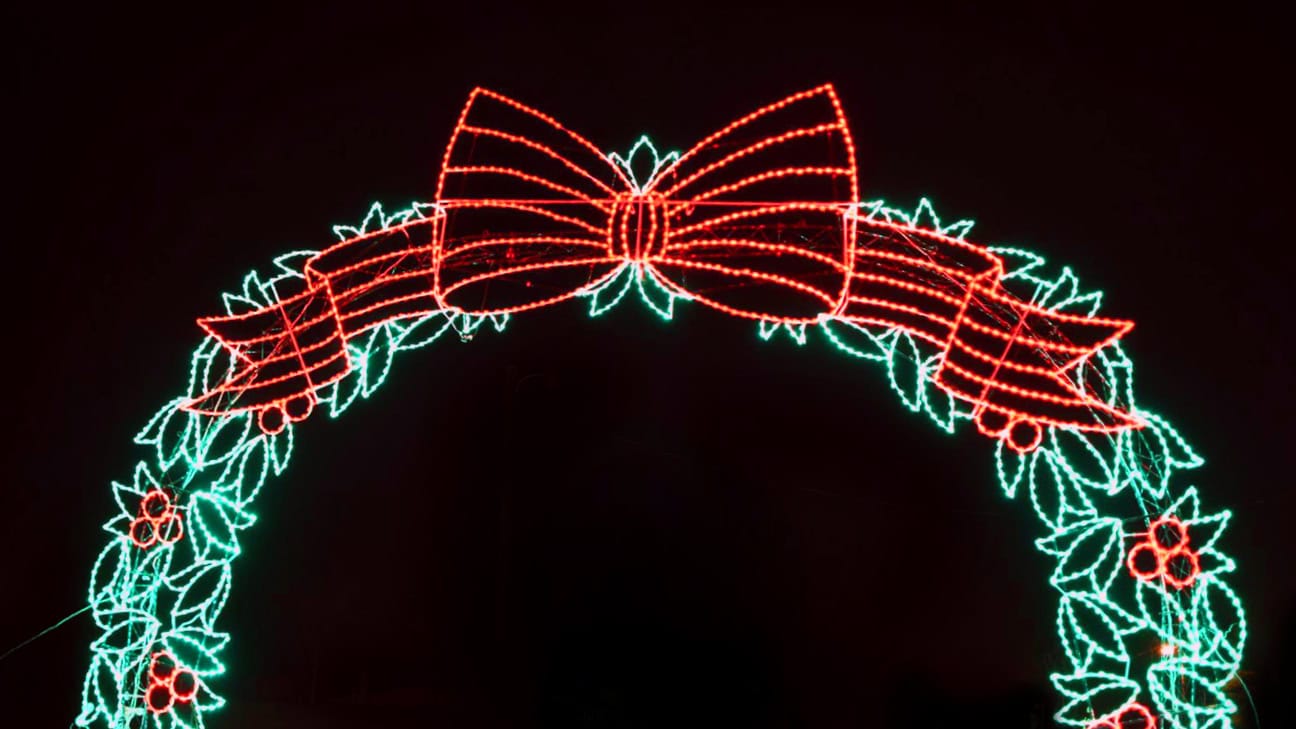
<point>759,220</point>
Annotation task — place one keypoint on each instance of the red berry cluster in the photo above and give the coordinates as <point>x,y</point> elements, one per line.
<point>158,520</point>
<point>1134,716</point>
<point>169,684</point>
<point>275,417</point>
<point>1021,434</point>
<point>1164,554</point>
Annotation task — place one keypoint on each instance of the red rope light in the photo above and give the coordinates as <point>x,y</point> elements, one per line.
<point>528,213</point>
<point>1165,554</point>
<point>169,684</point>
<point>1134,716</point>
<point>158,521</point>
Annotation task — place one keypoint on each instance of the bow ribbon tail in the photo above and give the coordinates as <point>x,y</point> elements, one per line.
<point>297,345</point>
<point>281,351</point>
<point>1003,355</point>
<point>382,276</point>
<point>1013,359</point>
<point>912,279</point>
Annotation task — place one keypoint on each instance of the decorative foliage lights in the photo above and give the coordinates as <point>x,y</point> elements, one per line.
<point>760,220</point>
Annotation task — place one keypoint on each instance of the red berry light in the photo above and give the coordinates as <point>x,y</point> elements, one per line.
<point>1134,716</point>
<point>158,520</point>
<point>169,683</point>
<point>160,698</point>
<point>1164,554</point>
<point>184,685</point>
<point>143,533</point>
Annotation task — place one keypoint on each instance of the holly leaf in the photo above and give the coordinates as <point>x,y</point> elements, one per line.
<point>1188,506</point>
<point>146,575</point>
<point>167,432</point>
<point>1220,622</point>
<point>181,716</point>
<point>1155,452</point>
<point>218,520</point>
<point>857,340</point>
<point>1065,288</point>
<point>1087,629</point>
<point>241,303</point>
<point>100,692</point>
<point>1091,695</point>
<point>294,263</point>
<point>1021,264</point>
<point>117,526</point>
<point>1172,678</point>
<point>128,498</point>
<point>205,699</point>
<point>107,578</point>
<point>254,289</point>
<point>469,324</point>
<point>1205,531</point>
<point>202,596</point>
<point>1162,612</point>
<point>373,220</point>
<point>201,364</point>
<point>924,216</point>
<point>656,294</point>
<point>196,649</point>
<point>1214,562</point>
<point>643,162</point>
<point>939,405</point>
<point>1082,459</point>
<point>127,632</point>
<point>1056,500</point>
<point>1010,468</point>
<point>423,331</point>
<point>343,393</point>
<point>223,437</point>
<point>245,473</point>
<point>1089,555</point>
<point>1102,377</point>
<point>280,449</point>
<point>905,370</point>
<point>607,293</point>
<point>766,329</point>
<point>959,229</point>
<point>377,361</point>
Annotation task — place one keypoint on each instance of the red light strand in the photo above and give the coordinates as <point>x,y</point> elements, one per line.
<point>692,228</point>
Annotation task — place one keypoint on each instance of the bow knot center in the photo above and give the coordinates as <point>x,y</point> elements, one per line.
<point>638,226</point>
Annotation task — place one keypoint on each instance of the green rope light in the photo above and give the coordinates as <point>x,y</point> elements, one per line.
<point>1151,630</point>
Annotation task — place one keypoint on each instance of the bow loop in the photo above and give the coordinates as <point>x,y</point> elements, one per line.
<point>756,222</point>
<point>528,206</point>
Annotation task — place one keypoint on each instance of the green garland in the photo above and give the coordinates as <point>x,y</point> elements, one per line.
<point>1133,637</point>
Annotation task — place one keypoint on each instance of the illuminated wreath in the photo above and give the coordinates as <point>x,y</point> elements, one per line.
<point>760,220</point>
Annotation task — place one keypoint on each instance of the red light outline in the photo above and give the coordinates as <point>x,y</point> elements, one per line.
<point>185,696</point>
<point>1116,720</point>
<point>167,683</point>
<point>169,514</point>
<point>940,289</point>
<point>1165,554</point>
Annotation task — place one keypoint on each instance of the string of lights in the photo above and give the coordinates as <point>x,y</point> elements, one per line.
<point>762,221</point>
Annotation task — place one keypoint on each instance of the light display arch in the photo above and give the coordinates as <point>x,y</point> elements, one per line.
<point>761,220</point>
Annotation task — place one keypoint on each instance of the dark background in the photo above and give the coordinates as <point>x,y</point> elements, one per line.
<point>617,522</point>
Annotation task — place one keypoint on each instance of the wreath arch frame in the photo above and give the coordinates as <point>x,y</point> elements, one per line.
<point>1136,554</point>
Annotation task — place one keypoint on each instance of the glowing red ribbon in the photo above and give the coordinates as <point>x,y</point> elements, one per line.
<point>759,220</point>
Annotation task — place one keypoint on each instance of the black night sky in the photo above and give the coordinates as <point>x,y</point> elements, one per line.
<point>619,522</point>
